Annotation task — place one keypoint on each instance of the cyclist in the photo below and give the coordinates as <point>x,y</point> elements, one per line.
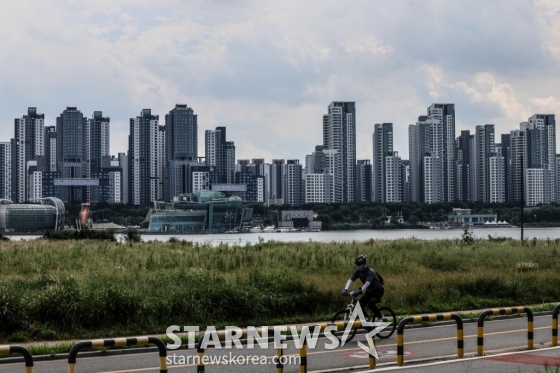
<point>372,288</point>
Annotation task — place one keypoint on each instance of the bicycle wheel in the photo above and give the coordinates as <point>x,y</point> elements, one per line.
<point>343,315</point>
<point>392,318</point>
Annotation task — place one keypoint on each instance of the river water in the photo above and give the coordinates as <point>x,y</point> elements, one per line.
<point>360,235</point>
<point>349,236</point>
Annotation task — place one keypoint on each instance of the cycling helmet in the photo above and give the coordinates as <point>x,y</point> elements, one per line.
<point>360,260</point>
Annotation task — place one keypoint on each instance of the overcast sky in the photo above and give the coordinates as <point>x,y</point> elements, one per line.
<point>268,70</point>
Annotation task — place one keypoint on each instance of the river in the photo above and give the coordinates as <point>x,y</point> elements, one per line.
<point>348,236</point>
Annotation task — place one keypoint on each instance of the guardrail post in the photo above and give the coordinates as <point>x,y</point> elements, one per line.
<point>422,318</point>
<point>503,311</point>
<point>279,365</point>
<point>371,343</point>
<point>555,325</point>
<point>20,350</point>
<point>303,357</point>
<point>200,363</point>
<point>118,342</point>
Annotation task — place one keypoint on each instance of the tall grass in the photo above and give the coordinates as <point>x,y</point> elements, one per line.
<point>77,287</point>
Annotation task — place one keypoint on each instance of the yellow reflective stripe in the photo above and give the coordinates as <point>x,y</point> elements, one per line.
<point>97,343</point>
<point>142,340</point>
<point>4,349</point>
<point>480,332</point>
<point>120,342</point>
<point>72,368</point>
<point>460,353</point>
<point>28,369</point>
<point>495,311</point>
<point>322,326</point>
<point>339,325</point>
<point>303,351</point>
<point>417,318</point>
<point>200,360</point>
<point>162,363</point>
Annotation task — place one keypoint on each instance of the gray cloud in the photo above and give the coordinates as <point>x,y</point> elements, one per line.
<point>269,70</point>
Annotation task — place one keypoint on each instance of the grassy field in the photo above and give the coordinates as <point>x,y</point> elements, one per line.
<point>87,289</point>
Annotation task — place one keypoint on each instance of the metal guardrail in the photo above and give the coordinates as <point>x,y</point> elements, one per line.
<point>118,342</point>
<point>423,318</point>
<point>503,311</point>
<point>19,350</point>
<point>555,312</point>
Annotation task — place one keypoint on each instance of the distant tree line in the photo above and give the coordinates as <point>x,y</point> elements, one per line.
<point>347,216</point>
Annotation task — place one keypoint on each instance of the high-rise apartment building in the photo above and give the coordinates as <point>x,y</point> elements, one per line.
<point>484,147</point>
<point>5,170</point>
<point>406,181</point>
<point>315,162</point>
<point>145,151</point>
<point>432,148</point>
<point>220,155</point>
<point>276,195</point>
<point>318,188</point>
<point>27,145</point>
<point>541,151</point>
<point>339,133</point>
<point>50,148</point>
<point>506,153</point>
<point>97,147</point>
<point>393,181</point>
<point>292,185</point>
<point>518,161</point>
<point>382,147</point>
<point>496,176</point>
<point>445,113</point>
<point>535,143</point>
<point>125,186</point>
<point>425,140</point>
<point>463,167</point>
<point>363,181</point>
<point>319,174</point>
<point>181,151</point>
<point>72,148</point>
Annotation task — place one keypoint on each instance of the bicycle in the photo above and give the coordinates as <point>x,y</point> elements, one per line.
<point>344,315</point>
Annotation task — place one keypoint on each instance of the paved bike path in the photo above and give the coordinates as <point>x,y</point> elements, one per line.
<point>420,343</point>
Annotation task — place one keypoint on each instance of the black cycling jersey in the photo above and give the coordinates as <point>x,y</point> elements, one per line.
<point>368,274</point>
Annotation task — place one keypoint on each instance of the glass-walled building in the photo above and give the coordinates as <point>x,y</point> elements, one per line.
<point>202,210</point>
<point>43,215</point>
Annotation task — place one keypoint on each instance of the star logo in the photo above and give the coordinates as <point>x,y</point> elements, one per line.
<point>378,326</point>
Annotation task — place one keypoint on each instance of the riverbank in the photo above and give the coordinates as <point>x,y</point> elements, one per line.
<point>88,289</point>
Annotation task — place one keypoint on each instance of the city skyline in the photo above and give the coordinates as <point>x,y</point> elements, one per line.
<point>72,162</point>
<point>264,71</point>
<point>403,149</point>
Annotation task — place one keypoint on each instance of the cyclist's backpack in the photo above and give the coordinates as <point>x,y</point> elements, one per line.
<point>380,278</point>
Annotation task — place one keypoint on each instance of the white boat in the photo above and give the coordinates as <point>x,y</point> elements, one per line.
<point>288,230</point>
<point>256,230</point>
<point>270,229</point>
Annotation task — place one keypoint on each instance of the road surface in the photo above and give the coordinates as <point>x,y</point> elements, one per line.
<point>422,346</point>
